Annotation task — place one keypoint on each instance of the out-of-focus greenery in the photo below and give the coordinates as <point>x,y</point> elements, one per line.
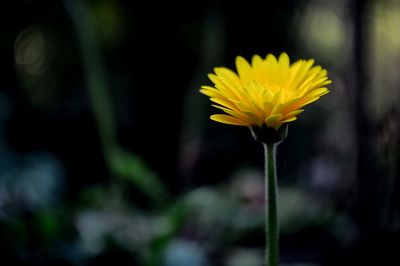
<point>107,155</point>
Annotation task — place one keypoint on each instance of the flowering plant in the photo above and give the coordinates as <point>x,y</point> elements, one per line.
<point>264,96</point>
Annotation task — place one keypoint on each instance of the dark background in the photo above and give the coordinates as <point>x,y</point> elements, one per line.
<point>108,156</point>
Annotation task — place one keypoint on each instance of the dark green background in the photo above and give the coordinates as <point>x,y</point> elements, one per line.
<point>107,155</point>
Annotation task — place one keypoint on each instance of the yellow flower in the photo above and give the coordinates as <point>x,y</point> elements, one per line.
<point>268,92</point>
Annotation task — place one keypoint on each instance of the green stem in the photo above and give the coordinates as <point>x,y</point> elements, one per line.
<point>271,209</point>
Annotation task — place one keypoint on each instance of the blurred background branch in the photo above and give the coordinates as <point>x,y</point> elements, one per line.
<point>121,163</point>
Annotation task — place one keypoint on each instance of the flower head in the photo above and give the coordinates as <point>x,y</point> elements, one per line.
<point>268,92</point>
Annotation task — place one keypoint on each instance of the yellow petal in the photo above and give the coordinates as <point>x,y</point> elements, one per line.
<point>244,70</point>
<point>267,94</point>
<point>320,82</point>
<point>284,64</point>
<point>239,115</point>
<point>273,120</point>
<point>277,109</point>
<point>277,97</point>
<point>318,92</point>
<point>225,103</point>
<point>258,109</point>
<point>254,118</point>
<point>268,108</point>
<point>287,106</point>
<point>211,92</point>
<point>256,60</point>
<point>305,85</point>
<point>254,92</point>
<point>289,119</point>
<point>259,69</point>
<point>304,67</point>
<point>292,114</point>
<point>271,68</point>
<point>271,59</point>
<point>308,101</point>
<point>230,77</point>
<point>284,59</point>
<point>227,119</point>
<point>225,89</point>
